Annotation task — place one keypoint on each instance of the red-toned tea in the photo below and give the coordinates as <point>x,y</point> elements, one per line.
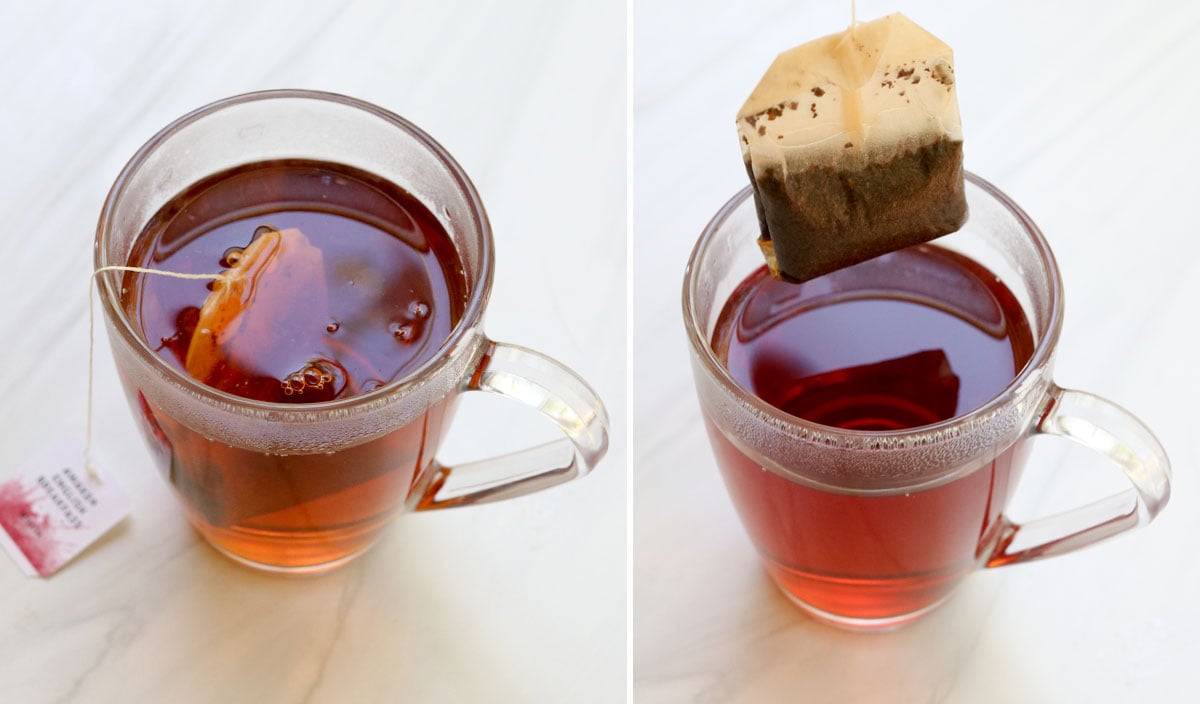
<point>355,284</point>
<point>873,357</point>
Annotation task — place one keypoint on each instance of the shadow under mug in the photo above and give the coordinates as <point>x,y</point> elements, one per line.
<point>872,529</point>
<point>306,488</point>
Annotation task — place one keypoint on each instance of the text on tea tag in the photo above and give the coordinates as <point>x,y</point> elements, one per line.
<point>54,508</point>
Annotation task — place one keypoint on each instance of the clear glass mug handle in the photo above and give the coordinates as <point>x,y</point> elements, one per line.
<point>1105,427</point>
<point>560,395</point>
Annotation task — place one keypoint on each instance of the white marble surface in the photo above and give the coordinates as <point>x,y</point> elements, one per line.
<point>521,601</point>
<point>1085,113</point>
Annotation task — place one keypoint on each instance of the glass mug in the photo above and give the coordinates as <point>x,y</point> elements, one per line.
<point>870,529</point>
<point>308,487</point>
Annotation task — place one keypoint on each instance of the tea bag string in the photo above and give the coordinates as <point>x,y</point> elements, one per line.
<point>87,443</point>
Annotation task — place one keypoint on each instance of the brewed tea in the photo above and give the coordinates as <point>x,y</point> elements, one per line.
<point>375,291</point>
<point>387,294</point>
<point>867,349</point>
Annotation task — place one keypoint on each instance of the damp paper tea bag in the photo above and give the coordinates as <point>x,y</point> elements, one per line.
<point>853,144</point>
<point>272,302</point>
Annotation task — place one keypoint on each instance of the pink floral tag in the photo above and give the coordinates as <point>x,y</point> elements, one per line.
<point>54,508</point>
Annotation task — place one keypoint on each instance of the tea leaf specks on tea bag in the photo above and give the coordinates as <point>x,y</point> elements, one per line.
<point>853,144</point>
<point>273,288</point>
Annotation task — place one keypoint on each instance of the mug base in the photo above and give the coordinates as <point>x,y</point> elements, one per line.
<point>860,625</point>
<point>297,570</point>
<point>297,552</point>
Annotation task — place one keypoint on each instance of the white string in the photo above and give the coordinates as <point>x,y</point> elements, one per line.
<point>87,444</point>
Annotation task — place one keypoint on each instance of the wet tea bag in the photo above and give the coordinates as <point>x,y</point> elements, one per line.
<point>271,304</point>
<point>853,144</point>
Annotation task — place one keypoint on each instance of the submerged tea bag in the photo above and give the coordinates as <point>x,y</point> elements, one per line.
<point>854,148</point>
<point>271,304</point>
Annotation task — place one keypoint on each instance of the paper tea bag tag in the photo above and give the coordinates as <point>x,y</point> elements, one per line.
<point>272,293</point>
<point>853,144</point>
<point>54,508</point>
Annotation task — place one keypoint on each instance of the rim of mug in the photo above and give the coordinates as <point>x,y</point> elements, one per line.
<point>471,316</point>
<point>1042,353</point>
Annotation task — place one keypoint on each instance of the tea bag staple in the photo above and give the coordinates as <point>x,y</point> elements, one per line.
<point>273,288</point>
<point>853,144</point>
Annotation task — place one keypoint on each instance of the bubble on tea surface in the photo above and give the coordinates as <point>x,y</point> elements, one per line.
<point>261,231</point>
<point>403,332</point>
<point>418,310</point>
<point>231,257</point>
<point>319,380</point>
<point>270,304</point>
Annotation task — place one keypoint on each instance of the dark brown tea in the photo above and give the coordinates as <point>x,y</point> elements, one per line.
<point>868,349</point>
<point>369,288</point>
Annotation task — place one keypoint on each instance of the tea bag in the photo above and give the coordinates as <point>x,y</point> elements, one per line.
<point>271,304</point>
<point>853,144</point>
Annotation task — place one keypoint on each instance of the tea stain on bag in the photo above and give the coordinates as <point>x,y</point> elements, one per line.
<point>270,304</point>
